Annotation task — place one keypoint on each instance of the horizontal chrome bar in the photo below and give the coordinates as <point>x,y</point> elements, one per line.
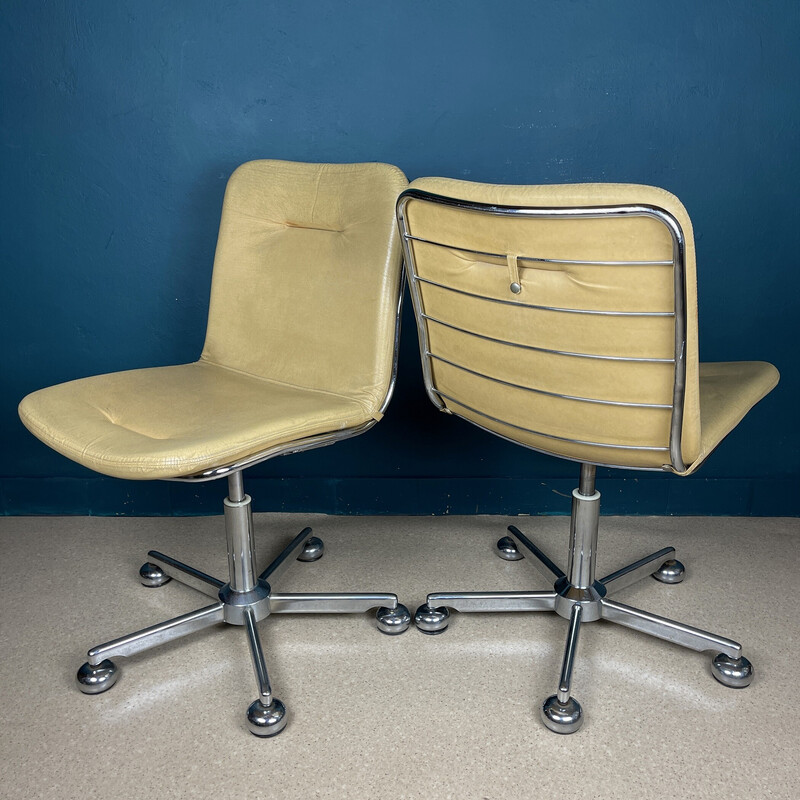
<point>541,561</point>
<point>494,601</point>
<point>627,576</point>
<point>328,602</point>
<point>183,573</point>
<point>157,634</point>
<point>545,349</point>
<point>534,212</point>
<point>549,435</point>
<point>408,236</point>
<point>547,308</point>
<point>549,394</point>
<point>286,558</point>
<point>671,631</point>
<point>663,468</point>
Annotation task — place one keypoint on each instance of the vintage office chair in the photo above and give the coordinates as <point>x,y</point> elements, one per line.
<point>300,352</point>
<point>564,319</point>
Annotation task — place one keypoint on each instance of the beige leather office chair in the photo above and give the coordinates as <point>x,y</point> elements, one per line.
<point>300,352</point>
<point>564,319</point>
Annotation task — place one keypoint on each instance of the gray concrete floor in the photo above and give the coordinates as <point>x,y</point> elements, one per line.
<point>413,716</point>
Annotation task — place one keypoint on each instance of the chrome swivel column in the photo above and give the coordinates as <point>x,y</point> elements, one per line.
<point>245,600</point>
<point>580,597</point>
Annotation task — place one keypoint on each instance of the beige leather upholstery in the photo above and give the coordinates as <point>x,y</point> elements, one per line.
<point>300,337</point>
<point>534,366</point>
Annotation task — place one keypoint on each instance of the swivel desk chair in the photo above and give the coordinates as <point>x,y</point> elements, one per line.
<point>300,352</point>
<point>564,319</point>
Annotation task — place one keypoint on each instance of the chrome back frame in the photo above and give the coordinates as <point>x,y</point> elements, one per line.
<point>588,212</point>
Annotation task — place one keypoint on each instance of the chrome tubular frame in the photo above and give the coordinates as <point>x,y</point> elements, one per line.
<point>588,212</point>
<point>248,596</point>
<point>578,596</point>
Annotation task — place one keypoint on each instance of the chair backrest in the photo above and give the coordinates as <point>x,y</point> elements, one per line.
<point>563,318</point>
<point>306,280</point>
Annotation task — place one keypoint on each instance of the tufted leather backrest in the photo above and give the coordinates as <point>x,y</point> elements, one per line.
<point>581,361</point>
<point>306,276</point>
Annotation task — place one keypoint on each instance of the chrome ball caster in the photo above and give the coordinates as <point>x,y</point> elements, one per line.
<point>671,571</point>
<point>507,549</point>
<point>151,575</point>
<point>734,672</point>
<point>562,717</point>
<point>432,620</point>
<point>266,720</point>
<point>97,679</point>
<point>312,550</point>
<point>393,621</point>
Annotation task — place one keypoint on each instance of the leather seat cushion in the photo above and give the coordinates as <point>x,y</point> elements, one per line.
<point>167,422</point>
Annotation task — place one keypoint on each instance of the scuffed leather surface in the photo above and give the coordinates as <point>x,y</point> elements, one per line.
<point>299,341</point>
<point>626,288</point>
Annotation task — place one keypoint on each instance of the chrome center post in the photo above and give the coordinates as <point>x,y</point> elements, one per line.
<point>579,586</point>
<point>245,590</point>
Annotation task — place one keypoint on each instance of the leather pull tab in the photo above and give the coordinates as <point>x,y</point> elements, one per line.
<point>513,274</point>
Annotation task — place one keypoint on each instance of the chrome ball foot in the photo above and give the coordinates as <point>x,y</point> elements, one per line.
<point>671,571</point>
<point>94,680</point>
<point>266,720</point>
<point>506,548</point>
<point>313,550</point>
<point>152,575</point>
<point>432,620</point>
<point>734,672</point>
<point>562,717</point>
<point>393,621</point>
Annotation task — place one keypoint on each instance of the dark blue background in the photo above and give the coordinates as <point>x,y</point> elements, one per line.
<point>121,122</point>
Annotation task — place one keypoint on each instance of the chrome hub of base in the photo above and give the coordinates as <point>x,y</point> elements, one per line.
<point>734,672</point>
<point>507,549</point>
<point>393,621</point>
<point>432,620</point>
<point>671,571</point>
<point>313,550</point>
<point>237,604</point>
<point>589,599</point>
<point>562,717</point>
<point>266,720</point>
<point>97,679</point>
<point>152,576</point>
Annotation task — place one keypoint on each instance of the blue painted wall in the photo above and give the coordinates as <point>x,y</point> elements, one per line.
<point>121,122</point>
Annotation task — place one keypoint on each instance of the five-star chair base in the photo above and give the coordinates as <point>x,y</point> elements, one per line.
<point>579,597</point>
<point>244,601</point>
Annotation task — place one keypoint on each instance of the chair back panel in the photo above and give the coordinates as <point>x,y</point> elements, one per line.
<point>581,361</point>
<point>306,276</point>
